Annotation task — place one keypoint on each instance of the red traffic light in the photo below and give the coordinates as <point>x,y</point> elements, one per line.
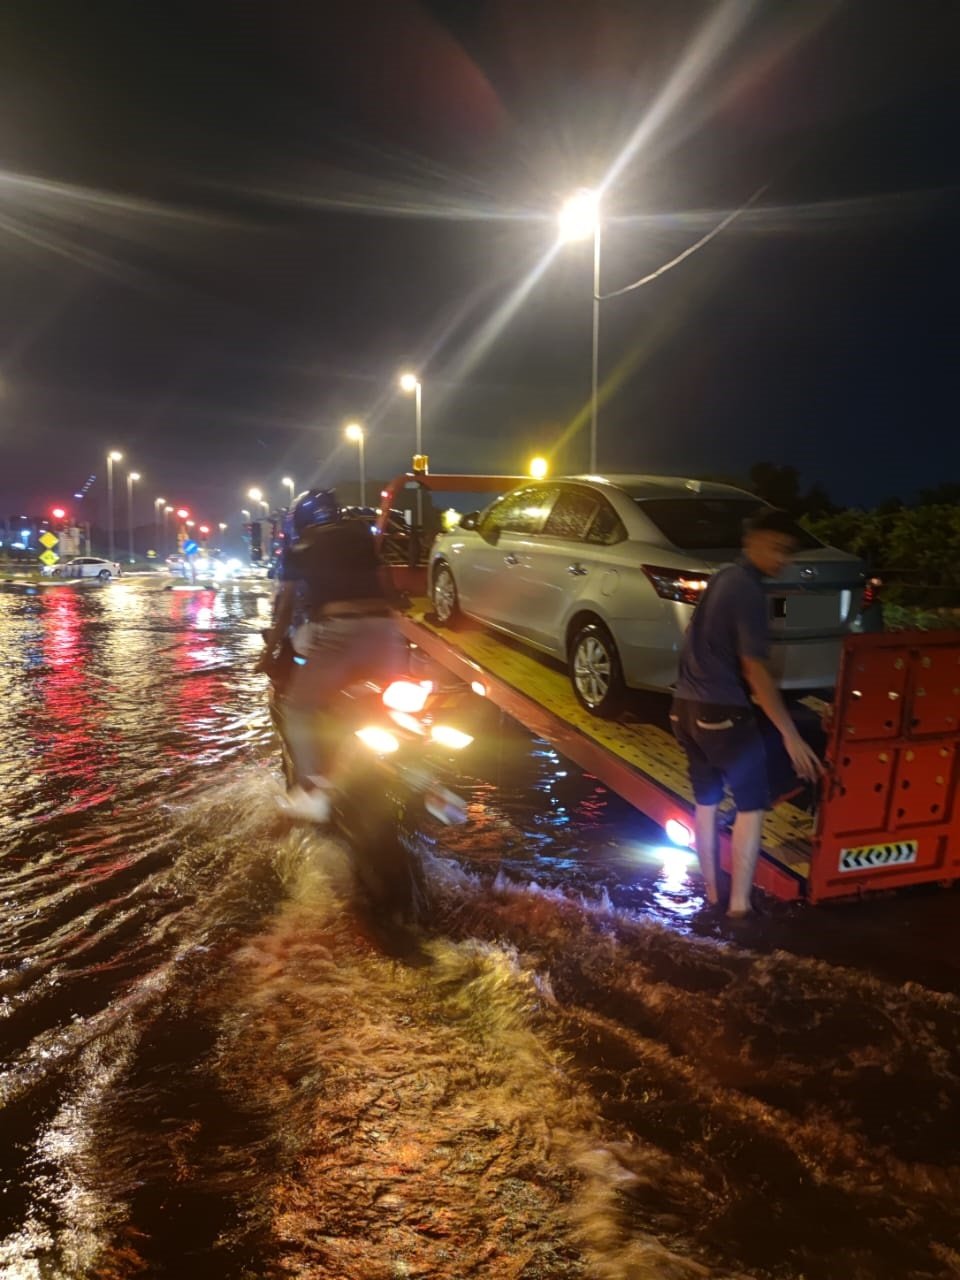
<point>183,513</point>
<point>58,513</point>
<point>204,529</point>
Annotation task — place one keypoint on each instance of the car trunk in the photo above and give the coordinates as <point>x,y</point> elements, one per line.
<point>817,595</point>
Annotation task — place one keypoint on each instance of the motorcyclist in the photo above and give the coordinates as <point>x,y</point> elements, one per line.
<point>350,634</point>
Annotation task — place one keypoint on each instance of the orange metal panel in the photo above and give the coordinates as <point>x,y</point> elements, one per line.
<point>890,814</point>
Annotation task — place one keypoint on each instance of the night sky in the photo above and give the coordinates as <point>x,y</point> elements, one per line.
<point>226,227</point>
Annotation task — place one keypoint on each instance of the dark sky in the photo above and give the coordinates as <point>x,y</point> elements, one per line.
<point>226,226</point>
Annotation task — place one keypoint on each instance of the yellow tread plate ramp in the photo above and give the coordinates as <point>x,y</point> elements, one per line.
<point>646,747</point>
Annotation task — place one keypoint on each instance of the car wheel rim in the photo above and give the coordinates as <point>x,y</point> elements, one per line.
<point>592,670</point>
<point>444,595</point>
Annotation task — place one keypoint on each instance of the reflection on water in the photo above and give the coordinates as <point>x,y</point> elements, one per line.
<point>210,1068</point>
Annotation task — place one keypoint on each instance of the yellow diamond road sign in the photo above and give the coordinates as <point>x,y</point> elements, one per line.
<point>49,557</point>
<point>49,540</point>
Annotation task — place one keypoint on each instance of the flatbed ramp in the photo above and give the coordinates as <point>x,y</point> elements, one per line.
<point>638,759</point>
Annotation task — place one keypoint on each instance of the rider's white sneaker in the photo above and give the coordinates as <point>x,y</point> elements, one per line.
<point>305,806</point>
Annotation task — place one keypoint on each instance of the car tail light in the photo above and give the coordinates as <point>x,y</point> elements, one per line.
<point>676,584</point>
<point>407,695</point>
<point>871,591</point>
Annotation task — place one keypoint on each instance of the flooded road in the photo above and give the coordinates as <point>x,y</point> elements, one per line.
<point>208,1067</point>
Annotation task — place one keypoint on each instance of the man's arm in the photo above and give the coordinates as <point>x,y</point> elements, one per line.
<point>282,617</point>
<point>803,758</point>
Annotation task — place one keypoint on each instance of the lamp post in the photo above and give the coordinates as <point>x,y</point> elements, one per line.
<point>579,220</point>
<point>132,477</point>
<point>410,383</point>
<point>256,495</point>
<point>113,456</point>
<point>290,485</point>
<point>158,505</point>
<point>167,511</point>
<point>353,431</point>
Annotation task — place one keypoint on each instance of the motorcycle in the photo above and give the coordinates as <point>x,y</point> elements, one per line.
<point>385,781</point>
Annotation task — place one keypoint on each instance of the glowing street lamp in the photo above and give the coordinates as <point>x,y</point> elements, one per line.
<point>158,505</point>
<point>245,512</point>
<point>256,495</point>
<point>579,219</point>
<point>538,468</point>
<point>132,477</point>
<point>223,527</point>
<point>410,384</point>
<point>355,433</point>
<point>113,456</point>
<point>290,485</point>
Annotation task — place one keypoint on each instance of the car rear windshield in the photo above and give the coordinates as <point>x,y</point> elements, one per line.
<point>708,524</point>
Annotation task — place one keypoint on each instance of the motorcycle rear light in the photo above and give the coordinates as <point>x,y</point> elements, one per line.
<point>447,736</point>
<point>407,695</point>
<point>676,584</point>
<point>380,741</point>
<point>679,833</point>
<point>871,590</point>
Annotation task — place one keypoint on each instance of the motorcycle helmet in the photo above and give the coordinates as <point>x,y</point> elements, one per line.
<point>315,506</point>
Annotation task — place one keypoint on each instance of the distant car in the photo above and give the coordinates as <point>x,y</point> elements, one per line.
<point>85,567</point>
<point>178,566</point>
<point>605,574</point>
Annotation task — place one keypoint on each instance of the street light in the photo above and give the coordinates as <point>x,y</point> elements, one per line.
<point>157,504</point>
<point>354,432</point>
<point>113,456</point>
<point>410,383</point>
<point>245,512</point>
<point>579,220</point>
<point>132,476</point>
<point>290,485</point>
<point>256,495</point>
<point>539,468</point>
<point>167,511</point>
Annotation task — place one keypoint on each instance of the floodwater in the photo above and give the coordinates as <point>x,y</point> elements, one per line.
<point>210,1067</point>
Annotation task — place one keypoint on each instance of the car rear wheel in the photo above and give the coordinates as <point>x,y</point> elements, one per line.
<point>446,602</point>
<point>595,671</point>
<point>104,575</point>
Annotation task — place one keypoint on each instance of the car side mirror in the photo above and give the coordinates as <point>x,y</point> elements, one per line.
<point>470,521</point>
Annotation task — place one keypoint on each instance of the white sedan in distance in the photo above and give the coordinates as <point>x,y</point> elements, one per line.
<point>85,567</point>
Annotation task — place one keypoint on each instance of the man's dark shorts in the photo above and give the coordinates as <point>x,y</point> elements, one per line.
<point>723,745</point>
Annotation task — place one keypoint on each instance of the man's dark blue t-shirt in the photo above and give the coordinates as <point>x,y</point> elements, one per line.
<point>730,623</point>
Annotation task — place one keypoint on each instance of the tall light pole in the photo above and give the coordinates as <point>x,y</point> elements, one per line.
<point>290,485</point>
<point>353,431</point>
<point>132,476</point>
<point>579,220</point>
<point>167,511</point>
<point>410,383</point>
<point>158,505</point>
<point>113,456</point>
<point>256,495</point>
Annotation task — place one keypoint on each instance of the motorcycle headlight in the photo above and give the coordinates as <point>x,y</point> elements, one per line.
<point>380,741</point>
<point>447,736</point>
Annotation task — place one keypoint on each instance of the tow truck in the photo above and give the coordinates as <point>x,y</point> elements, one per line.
<point>886,815</point>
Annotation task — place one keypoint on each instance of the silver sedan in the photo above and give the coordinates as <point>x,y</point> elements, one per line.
<point>605,573</point>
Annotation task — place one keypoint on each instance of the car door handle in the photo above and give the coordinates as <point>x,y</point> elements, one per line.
<point>577,570</point>
<point>511,559</point>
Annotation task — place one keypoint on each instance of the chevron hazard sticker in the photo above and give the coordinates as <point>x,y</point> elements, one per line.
<point>878,855</point>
